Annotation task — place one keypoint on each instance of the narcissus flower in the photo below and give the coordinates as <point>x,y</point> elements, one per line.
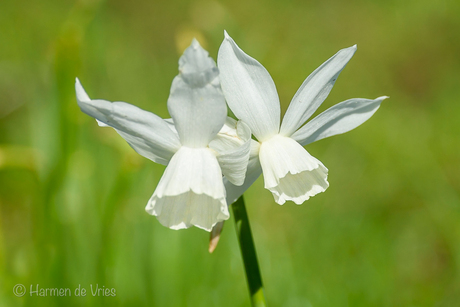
<point>289,171</point>
<point>191,190</point>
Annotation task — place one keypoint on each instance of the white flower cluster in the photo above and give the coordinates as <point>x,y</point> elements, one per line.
<point>211,159</point>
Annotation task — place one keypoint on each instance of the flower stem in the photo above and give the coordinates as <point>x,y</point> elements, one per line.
<point>248,251</point>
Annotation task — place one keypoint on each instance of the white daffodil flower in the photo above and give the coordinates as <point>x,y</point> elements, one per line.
<point>191,191</point>
<point>290,172</point>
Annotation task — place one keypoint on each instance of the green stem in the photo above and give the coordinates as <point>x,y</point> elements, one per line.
<point>248,251</point>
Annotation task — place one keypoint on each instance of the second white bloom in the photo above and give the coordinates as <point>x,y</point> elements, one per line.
<point>289,171</point>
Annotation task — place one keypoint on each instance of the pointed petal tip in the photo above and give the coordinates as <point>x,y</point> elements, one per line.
<point>80,91</point>
<point>101,124</point>
<point>77,83</point>
<point>382,98</point>
<point>194,46</point>
<point>195,43</point>
<point>226,36</point>
<point>352,48</point>
<point>349,51</point>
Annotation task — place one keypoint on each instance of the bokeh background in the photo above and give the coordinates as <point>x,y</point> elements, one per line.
<point>72,194</point>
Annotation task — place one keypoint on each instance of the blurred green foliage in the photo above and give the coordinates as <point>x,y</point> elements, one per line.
<point>72,194</point>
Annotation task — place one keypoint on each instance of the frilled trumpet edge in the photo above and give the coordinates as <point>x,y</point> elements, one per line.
<point>188,209</point>
<point>300,187</point>
<point>190,192</point>
<point>290,172</point>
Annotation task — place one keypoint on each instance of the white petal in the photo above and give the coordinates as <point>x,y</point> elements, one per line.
<point>101,124</point>
<point>314,90</point>
<point>338,119</point>
<point>232,135</point>
<point>253,172</point>
<point>190,192</point>
<point>170,123</point>
<point>196,67</point>
<point>249,90</point>
<point>290,172</point>
<point>232,146</point>
<point>196,102</point>
<point>148,134</point>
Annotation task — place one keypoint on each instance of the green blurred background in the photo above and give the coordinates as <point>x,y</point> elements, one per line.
<point>72,194</point>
